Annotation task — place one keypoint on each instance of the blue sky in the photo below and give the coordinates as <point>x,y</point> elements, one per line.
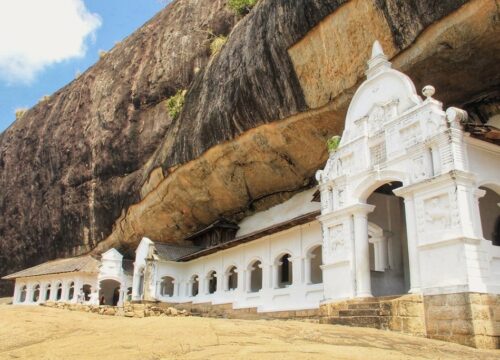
<point>42,49</point>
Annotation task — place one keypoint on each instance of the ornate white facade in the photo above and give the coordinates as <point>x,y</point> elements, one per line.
<point>394,137</point>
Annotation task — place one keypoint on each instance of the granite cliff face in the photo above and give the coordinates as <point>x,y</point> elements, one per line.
<point>102,164</point>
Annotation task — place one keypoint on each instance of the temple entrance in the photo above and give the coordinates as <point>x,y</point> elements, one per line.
<point>388,247</point>
<point>109,293</point>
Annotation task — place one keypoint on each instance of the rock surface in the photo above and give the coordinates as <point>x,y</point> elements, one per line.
<point>101,163</point>
<point>30,332</point>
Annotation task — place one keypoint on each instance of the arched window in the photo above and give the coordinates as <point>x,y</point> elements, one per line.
<point>315,257</point>
<point>87,289</point>
<point>47,292</point>
<point>36,293</point>
<point>212,282</point>
<point>195,285</point>
<point>284,266</point>
<point>489,210</point>
<point>59,291</point>
<point>232,278</point>
<point>22,295</point>
<point>255,274</point>
<point>167,286</point>
<point>71,292</point>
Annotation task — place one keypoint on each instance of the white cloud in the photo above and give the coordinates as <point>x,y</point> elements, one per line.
<point>37,33</point>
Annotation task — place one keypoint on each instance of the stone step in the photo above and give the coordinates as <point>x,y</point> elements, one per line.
<point>360,321</point>
<point>364,305</point>
<point>359,312</point>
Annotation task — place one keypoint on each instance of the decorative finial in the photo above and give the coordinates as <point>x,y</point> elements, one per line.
<point>428,91</point>
<point>377,49</point>
<point>378,62</point>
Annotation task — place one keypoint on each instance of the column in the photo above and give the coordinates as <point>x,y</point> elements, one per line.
<point>307,269</point>
<point>177,288</point>
<point>248,279</point>
<point>15,297</point>
<point>411,235</point>
<point>361,250</point>
<point>273,268</point>
<point>220,282</point>
<point>297,264</point>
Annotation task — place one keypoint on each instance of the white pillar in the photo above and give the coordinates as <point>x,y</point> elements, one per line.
<point>307,269</point>
<point>297,265</point>
<point>274,268</point>
<point>411,235</point>
<point>15,297</point>
<point>361,250</point>
<point>248,278</point>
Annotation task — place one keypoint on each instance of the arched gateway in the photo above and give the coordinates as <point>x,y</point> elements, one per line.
<point>399,198</point>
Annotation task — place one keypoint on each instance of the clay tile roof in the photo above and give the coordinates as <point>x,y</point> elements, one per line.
<point>170,252</point>
<point>86,264</point>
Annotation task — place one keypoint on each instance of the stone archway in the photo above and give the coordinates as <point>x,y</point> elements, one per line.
<point>109,292</point>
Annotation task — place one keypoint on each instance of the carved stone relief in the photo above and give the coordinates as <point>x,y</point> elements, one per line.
<point>419,168</point>
<point>337,241</point>
<point>437,213</point>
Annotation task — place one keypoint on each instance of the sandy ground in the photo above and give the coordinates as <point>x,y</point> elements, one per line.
<point>43,333</point>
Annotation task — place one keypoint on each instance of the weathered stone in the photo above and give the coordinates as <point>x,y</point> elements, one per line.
<point>481,312</point>
<point>457,299</point>
<point>109,311</point>
<point>444,327</point>
<point>411,309</point>
<point>413,325</point>
<point>462,327</point>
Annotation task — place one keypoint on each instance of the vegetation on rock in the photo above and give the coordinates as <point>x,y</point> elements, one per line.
<point>333,143</point>
<point>20,113</point>
<point>241,7</point>
<point>175,103</point>
<point>217,44</point>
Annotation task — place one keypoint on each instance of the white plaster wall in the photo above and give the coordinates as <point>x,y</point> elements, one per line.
<point>484,162</point>
<point>298,205</point>
<point>139,265</point>
<point>300,295</point>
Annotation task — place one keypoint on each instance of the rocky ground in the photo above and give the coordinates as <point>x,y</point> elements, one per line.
<point>46,333</point>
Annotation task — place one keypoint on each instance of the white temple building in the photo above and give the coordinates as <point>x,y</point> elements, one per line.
<point>82,279</point>
<point>408,203</point>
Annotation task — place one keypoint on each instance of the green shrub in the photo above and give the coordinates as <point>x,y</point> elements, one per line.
<point>241,7</point>
<point>217,44</point>
<point>175,103</point>
<point>333,143</point>
<point>20,113</point>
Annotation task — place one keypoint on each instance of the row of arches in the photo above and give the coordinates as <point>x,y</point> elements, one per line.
<point>45,293</point>
<point>254,272</point>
